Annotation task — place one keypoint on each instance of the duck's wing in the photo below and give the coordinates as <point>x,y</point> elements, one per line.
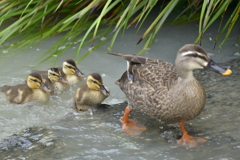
<point>154,74</point>
<point>157,73</point>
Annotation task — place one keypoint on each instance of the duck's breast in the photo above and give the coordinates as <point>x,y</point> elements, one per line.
<point>181,103</point>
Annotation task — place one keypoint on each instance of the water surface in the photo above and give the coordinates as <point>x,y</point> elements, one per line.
<point>69,135</point>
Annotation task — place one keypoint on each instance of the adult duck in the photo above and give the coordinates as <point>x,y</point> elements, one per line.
<point>164,91</point>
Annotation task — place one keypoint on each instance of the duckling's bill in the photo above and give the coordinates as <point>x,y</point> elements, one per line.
<point>79,73</point>
<point>62,80</point>
<point>104,90</point>
<point>44,87</point>
<point>216,68</point>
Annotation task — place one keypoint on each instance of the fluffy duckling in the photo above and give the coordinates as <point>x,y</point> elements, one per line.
<point>34,89</point>
<point>54,80</point>
<point>90,94</point>
<point>70,72</point>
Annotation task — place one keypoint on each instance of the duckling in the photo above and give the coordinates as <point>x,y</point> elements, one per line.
<point>166,92</point>
<point>34,89</point>
<point>90,94</point>
<point>54,81</point>
<point>70,72</point>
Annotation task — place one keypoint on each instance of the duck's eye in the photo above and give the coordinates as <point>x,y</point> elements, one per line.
<point>195,55</point>
<point>212,63</point>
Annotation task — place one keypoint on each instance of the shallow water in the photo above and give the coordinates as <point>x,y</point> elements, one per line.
<point>99,135</point>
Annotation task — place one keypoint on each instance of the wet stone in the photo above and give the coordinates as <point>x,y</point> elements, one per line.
<point>30,143</point>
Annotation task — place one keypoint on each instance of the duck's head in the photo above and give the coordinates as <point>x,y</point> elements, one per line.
<point>55,76</point>
<point>94,82</point>
<point>34,81</point>
<point>191,57</point>
<point>70,68</point>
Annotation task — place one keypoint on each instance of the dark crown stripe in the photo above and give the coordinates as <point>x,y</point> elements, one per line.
<point>197,55</point>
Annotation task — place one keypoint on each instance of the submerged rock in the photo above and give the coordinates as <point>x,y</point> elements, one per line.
<point>31,143</point>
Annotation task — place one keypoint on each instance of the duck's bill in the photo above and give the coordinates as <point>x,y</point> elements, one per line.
<point>79,73</point>
<point>104,90</point>
<point>45,88</point>
<point>216,68</point>
<point>62,80</point>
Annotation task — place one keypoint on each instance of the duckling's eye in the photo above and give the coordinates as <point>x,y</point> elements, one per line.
<point>34,80</point>
<point>53,74</point>
<point>70,67</point>
<point>95,82</point>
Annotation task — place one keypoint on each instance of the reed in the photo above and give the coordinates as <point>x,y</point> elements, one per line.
<point>85,21</point>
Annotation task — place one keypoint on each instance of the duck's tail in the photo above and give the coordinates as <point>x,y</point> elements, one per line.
<point>115,54</point>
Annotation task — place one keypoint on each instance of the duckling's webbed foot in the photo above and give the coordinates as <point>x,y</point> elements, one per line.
<point>131,126</point>
<point>187,140</point>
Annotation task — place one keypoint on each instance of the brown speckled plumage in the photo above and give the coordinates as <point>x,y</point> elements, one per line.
<point>159,91</point>
<point>166,92</point>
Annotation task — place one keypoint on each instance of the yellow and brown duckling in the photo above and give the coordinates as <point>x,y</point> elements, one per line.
<point>70,72</point>
<point>33,90</point>
<point>90,94</point>
<point>54,81</point>
<point>164,91</point>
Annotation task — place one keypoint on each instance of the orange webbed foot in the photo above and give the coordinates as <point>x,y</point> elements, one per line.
<point>190,141</point>
<point>187,140</point>
<point>133,127</point>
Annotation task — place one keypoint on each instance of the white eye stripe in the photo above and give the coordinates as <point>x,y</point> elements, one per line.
<point>192,52</point>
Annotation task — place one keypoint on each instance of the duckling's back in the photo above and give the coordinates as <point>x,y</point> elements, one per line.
<point>17,94</point>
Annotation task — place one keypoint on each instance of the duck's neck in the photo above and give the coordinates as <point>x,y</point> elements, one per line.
<point>185,74</point>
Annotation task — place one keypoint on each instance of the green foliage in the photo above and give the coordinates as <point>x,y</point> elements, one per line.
<point>85,21</point>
